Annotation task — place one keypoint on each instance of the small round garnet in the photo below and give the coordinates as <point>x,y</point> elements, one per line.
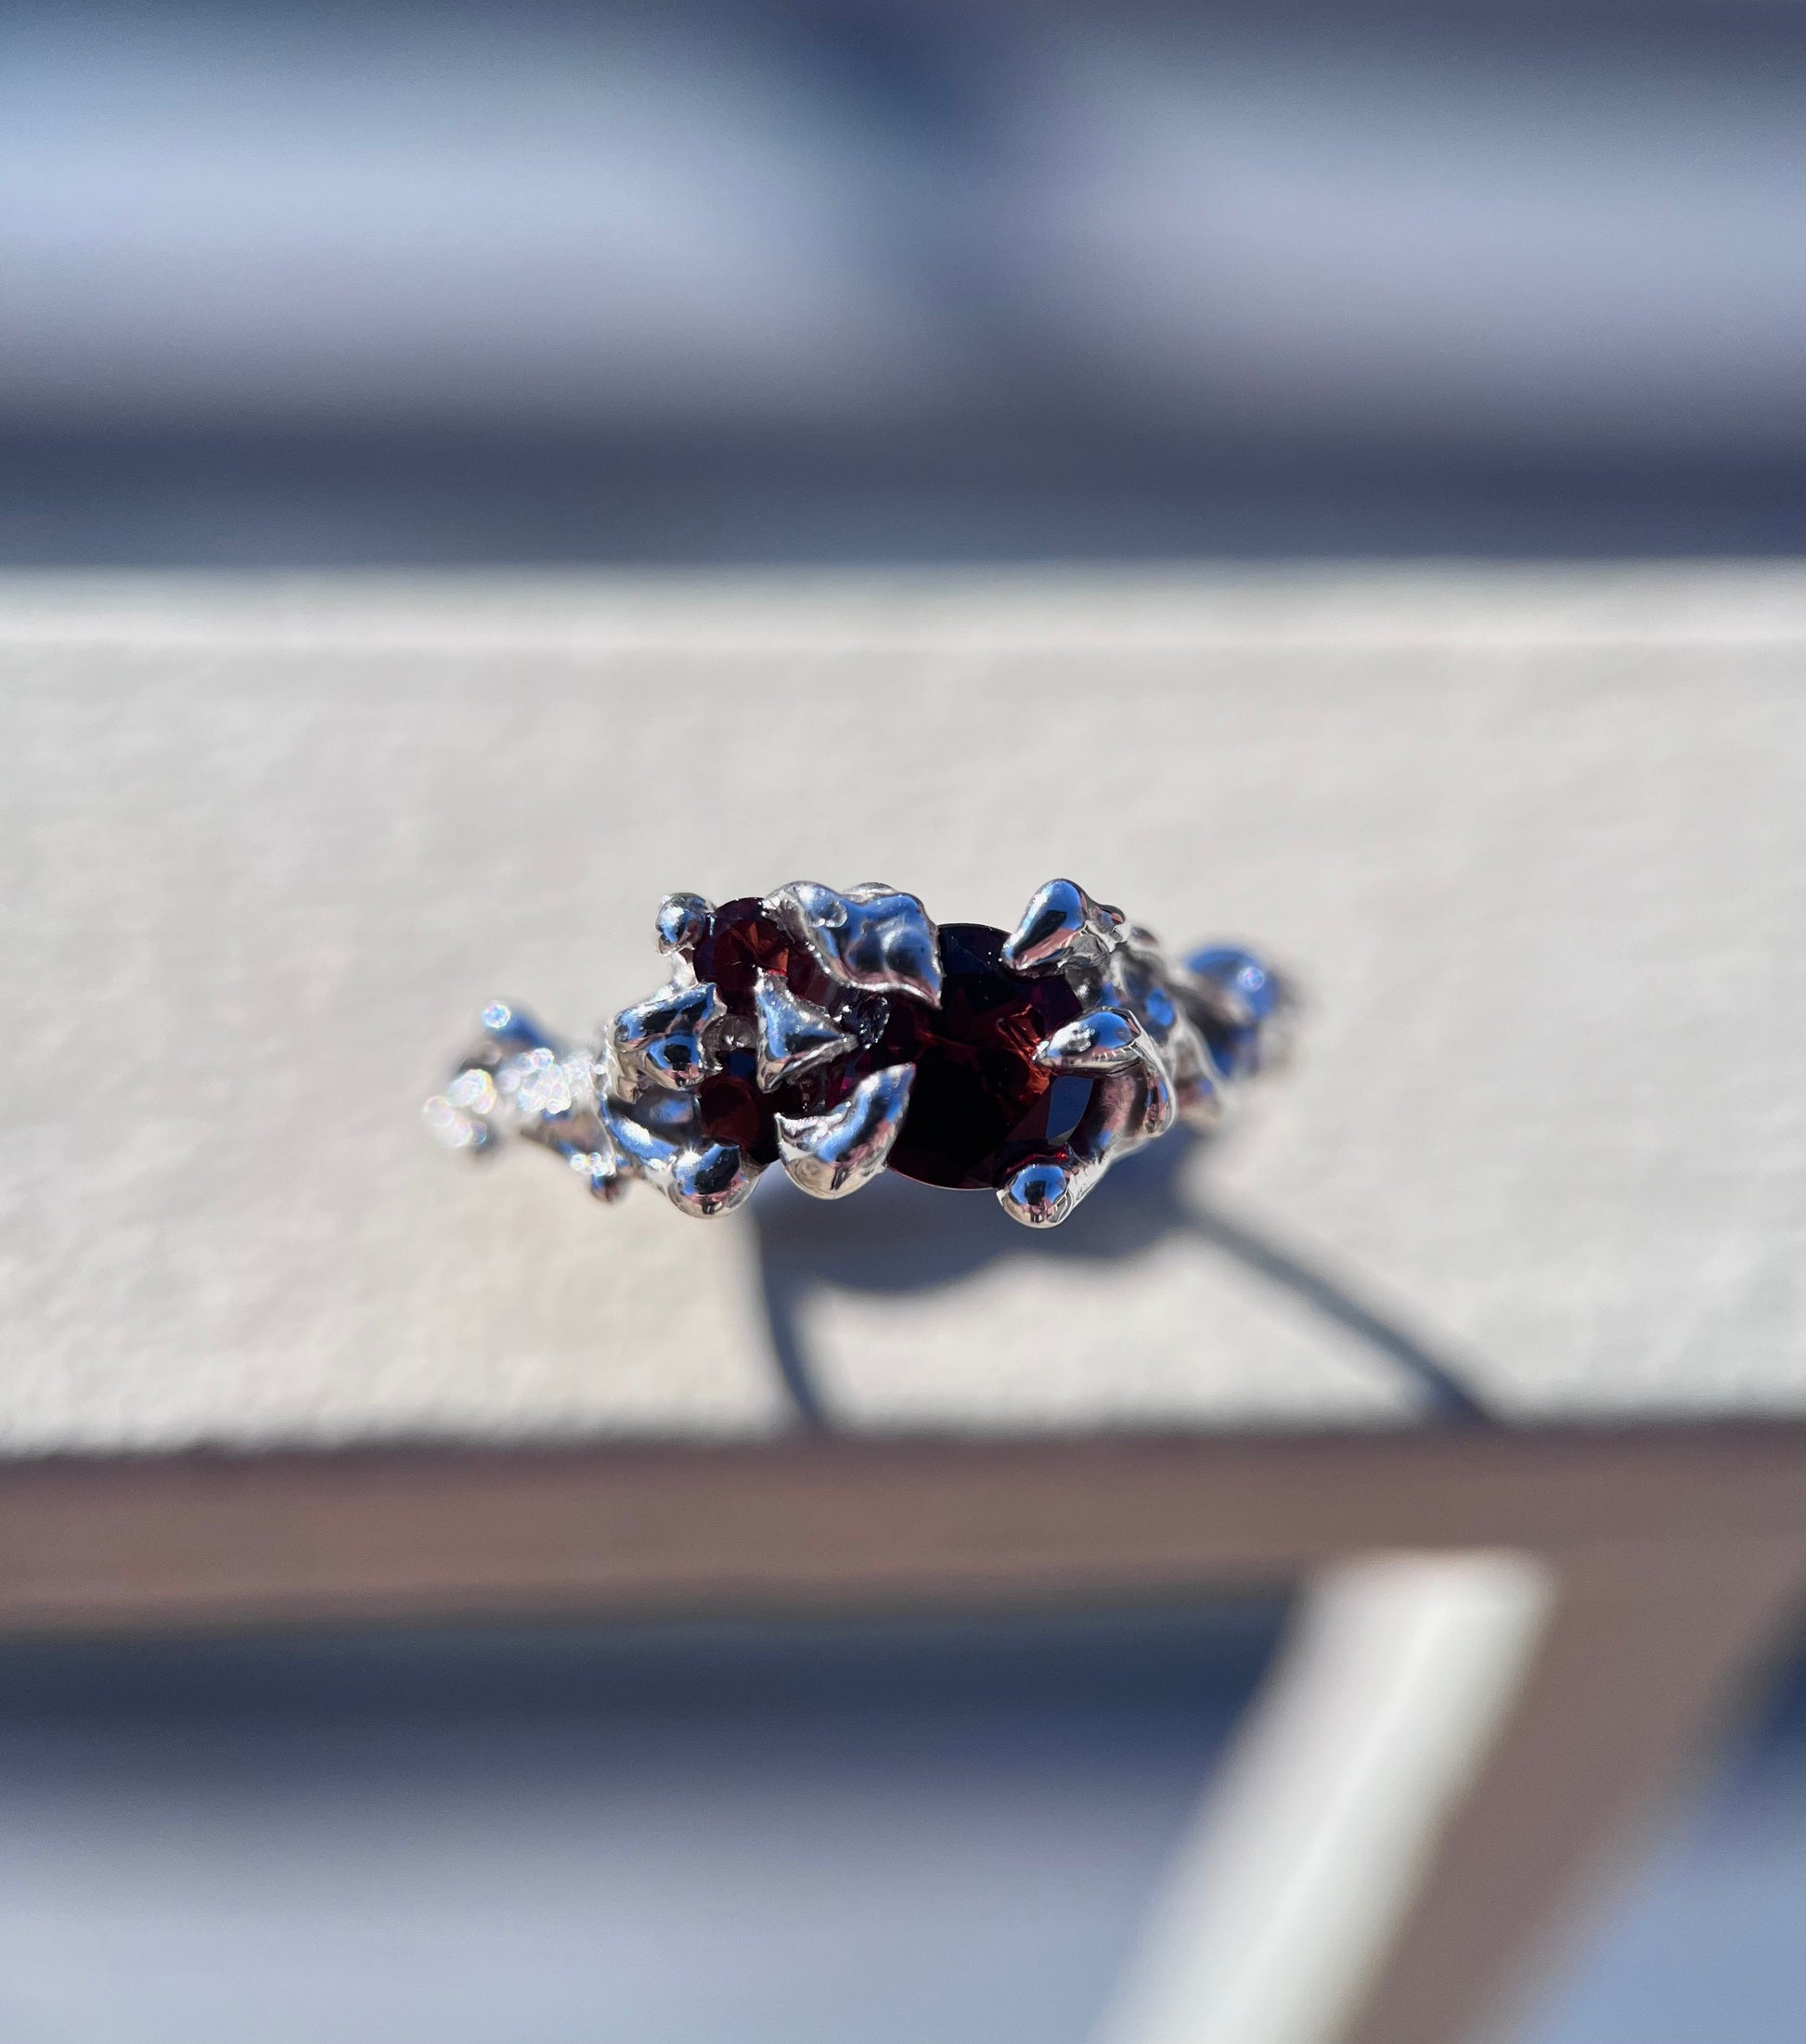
<point>744,941</point>
<point>732,1107</point>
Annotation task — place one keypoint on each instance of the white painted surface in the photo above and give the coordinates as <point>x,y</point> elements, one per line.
<point>1536,842</point>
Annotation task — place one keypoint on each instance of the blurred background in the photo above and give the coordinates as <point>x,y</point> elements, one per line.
<point>411,283</point>
<point>462,286</point>
<point>953,1828</point>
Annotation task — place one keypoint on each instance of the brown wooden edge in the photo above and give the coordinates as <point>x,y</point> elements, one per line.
<point>316,1535</point>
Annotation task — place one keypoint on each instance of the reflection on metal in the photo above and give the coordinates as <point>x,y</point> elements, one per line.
<point>874,937</point>
<point>1306,1857</point>
<point>793,1035</point>
<point>667,1039</point>
<point>833,1155</point>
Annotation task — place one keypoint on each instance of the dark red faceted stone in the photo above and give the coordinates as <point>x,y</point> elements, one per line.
<point>980,1104</point>
<point>732,1109</point>
<point>743,942</point>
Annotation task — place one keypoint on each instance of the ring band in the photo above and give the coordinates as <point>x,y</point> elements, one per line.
<point>842,1034</point>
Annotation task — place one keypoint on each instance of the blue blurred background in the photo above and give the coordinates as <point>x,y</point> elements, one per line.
<point>862,280</point>
<point>946,1829</point>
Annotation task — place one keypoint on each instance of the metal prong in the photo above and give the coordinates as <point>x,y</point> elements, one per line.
<point>661,1042</point>
<point>882,942</point>
<point>645,1150</point>
<point>683,921</point>
<point>1108,1040</point>
<point>710,1181</point>
<point>1104,1040</point>
<point>700,1178</point>
<point>833,1155</point>
<point>795,1036</point>
<point>1062,926</point>
<point>1132,1101</point>
<point>1044,1192</point>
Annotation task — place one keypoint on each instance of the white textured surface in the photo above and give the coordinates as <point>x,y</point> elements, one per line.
<point>1537,842</point>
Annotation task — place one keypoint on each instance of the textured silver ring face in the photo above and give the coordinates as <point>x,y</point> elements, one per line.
<point>842,1034</point>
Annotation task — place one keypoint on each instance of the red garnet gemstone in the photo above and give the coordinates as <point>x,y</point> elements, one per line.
<point>980,1103</point>
<point>731,1109</point>
<point>743,942</point>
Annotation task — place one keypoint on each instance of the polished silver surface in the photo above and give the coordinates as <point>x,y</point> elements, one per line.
<point>874,937</point>
<point>795,1036</point>
<point>833,1155</point>
<point>683,923</point>
<point>711,1180</point>
<point>1158,1043</point>
<point>1149,1060</point>
<point>1133,1100</point>
<point>1109,1041</point>
<point>1062,928</point>
<point>657,1138</point>
<point>667,1038</point>
<point>1105,1040</point>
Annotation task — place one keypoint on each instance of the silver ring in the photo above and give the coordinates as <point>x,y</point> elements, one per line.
<point>842,1034</point>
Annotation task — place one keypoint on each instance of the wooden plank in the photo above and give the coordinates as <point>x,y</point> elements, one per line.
<point>227,1538</point>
